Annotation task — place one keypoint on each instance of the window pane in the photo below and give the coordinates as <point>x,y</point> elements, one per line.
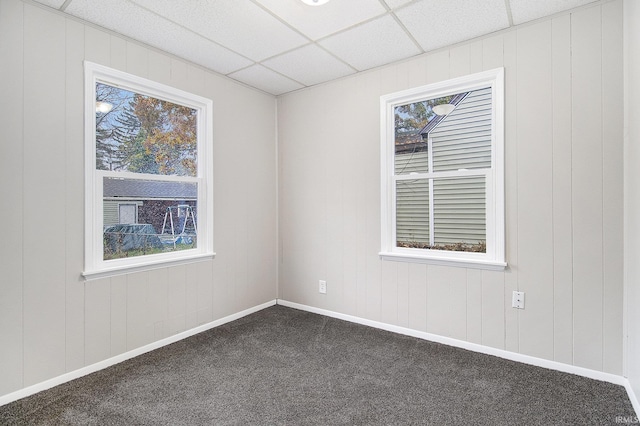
<point>459,214</point>
<point>159,217</point>
<point>412,213</point>
<point>414,161</point>
<point>411,148</point>
<point>142,134</point>
<point>462,139</point>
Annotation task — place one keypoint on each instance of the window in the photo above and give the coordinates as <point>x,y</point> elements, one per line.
<point>443,172</point>
<point>149,177</point>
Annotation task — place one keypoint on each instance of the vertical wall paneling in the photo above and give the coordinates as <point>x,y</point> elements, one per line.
<point>389,293</point>
<point>459,57</point>
<point>612,133</point>
<point>11,170</point>
<point>403,294</point>
<point>118,52</point>
<point>195,77</point>
<point>562,227</point>
<point>74,184</point>
<point>512,329</point>
<point>118,308</point>
<point>97,318</point>
<point>632,193</point>
<point>159,67</point>
<point>348,173</point>
<point>177,299</point>
<point>337,162</point>
<point>367,91</point>
<point>204,283</point>
<point>137,63</point>
<point>534,133</point>
<point>493,309</point>
<point>418,296</point>
<point>492,53</point>
<point>53,321</point>
<point>457,280</point>
<point>381,82</point>
<point>446,301</point>
<point>191,296</point>
<point>417,72</point>
<point>556,221</point>
<point>477,52</point>
<point>587,191</point>
<point>474,305</point>
<point>44,193</point>
<point>349,192</point>
<point>159,302</point>
<point>97,46</point>
<point>438,66</point>
<point>262,206</point>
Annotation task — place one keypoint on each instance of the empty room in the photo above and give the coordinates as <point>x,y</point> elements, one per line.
<point>320,212</point>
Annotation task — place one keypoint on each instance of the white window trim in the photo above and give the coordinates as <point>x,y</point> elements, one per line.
<point>95,267</point>
<point>495,257</point>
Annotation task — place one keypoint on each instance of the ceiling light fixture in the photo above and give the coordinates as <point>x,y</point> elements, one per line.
<point>315,2</point>
<point>443,109</point>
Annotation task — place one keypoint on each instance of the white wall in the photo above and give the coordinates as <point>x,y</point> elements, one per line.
<point>564,195</point>
<point>51,321</point>
<point>632,189</point>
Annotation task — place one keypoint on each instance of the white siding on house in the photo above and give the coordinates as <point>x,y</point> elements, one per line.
<point>462,140</point>
<point>459,210</point>
<point>412,211</point>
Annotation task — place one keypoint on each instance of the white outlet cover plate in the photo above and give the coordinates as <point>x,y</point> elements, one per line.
<point>517,300</point>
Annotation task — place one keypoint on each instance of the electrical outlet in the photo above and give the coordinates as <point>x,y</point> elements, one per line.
<point>322,287</point>
<point>517,300</point>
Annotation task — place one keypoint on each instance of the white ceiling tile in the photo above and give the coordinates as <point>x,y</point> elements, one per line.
<point>265,79</point>
<point>320,21</point>
<point>241,26</point>
<point>309,65</point>
<point>527,10</point>
<point>369,45</point>
<point>135,22</point>
<point>52,3</point>
<point>437,23</point>
<point>393,4</point>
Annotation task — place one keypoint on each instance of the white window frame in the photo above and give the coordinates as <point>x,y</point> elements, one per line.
<point>495,257</point>
<point>95,266</point>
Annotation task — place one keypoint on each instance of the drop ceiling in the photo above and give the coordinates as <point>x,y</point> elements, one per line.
<point>280,46</point>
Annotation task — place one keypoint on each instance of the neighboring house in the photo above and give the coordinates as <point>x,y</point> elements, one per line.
<point>128,201</point>
<point>460,140</point>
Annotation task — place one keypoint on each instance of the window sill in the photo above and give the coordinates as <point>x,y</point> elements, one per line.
<point>434,260</point>
<point>147,266</point>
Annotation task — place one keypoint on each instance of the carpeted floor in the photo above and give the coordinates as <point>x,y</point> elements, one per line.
<point>284,366</point>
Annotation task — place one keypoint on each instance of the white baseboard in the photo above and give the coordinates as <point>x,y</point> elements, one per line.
<point>525,359</point>
<point>634,399</point>
<point>67,377</point>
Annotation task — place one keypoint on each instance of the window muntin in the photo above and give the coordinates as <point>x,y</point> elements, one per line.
<point>443,185</point>
<point>148,146</point>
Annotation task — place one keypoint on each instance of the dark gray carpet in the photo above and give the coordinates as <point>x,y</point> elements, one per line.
<point>284,366</point>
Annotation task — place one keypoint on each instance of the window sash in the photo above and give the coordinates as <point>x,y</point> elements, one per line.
<point>430,178</point>
<point>95,265</point>
<point>494,258</point>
